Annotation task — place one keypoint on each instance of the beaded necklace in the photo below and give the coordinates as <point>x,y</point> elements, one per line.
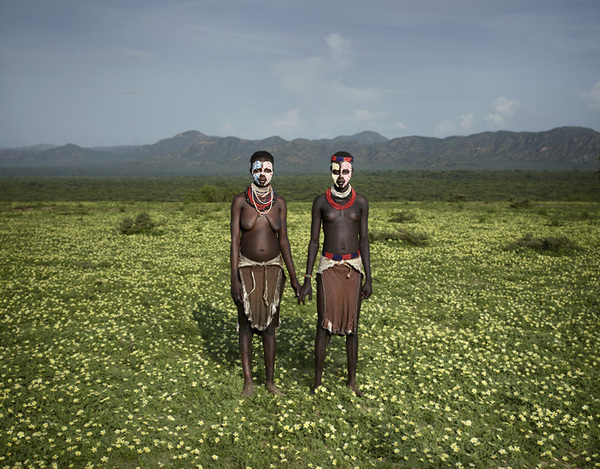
<point>343,206</point>
<point>262,199</point>
<point>341,195</point>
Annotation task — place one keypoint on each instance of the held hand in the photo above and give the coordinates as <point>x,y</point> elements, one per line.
<point>305,290</point>
<point>237,293</point>
<point>296,286</point>
<point>366,291</point>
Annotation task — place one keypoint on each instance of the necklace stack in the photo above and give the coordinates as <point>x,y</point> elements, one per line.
<point>261,198</point>
<point>342,195</point>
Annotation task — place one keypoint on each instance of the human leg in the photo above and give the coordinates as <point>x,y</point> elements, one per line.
<point>322,335</point>
<point>245,347</point>
<point>352,357</point>
<point>352,353</point>
<point>269,337</point>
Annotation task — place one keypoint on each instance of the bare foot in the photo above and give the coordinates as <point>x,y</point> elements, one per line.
<point>273,390</point>
<point>357,392</point>
<point>248,389</point>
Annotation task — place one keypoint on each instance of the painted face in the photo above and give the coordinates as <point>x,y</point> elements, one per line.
<point>341,173</point>
<point>262,169</point>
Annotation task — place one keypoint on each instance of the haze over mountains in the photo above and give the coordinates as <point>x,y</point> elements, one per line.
<point>194,153</point>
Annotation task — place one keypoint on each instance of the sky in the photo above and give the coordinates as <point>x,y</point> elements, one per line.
<point>132,72</point>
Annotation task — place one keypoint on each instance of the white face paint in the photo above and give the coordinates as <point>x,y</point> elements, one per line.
<point>345,169</point>
<point>262,168</point>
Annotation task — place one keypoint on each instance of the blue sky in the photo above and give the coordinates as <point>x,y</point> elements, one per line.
<point>122,72</point>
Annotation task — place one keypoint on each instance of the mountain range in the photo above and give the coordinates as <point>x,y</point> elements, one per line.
<point>194,153</point>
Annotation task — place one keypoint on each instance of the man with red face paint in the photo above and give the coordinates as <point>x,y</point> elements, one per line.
<point>344,263</point>
<point>259,241</point>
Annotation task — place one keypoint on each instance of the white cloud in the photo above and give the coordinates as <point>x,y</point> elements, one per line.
<point>286,124</point>
<point>227,129</point>
<point>501,108</point>
<point>338,45</point>
<point>466,120</point>
<point>319,80</point>
<point>353,94</point>
<point>456,126</point>
<point>444,128</point>
<point>593,95</point>
<point>399,125</point>
<point>364,115</point>
<point>301,76</point>
<point>357,118</point>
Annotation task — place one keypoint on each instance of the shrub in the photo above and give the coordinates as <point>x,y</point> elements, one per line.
<point>142,224</point>
<point>410,237</point>
<point>402,217</point>
<point>551,244</point>
<point>520,203</point>
<point>457,198</point>
<point>210,193</point>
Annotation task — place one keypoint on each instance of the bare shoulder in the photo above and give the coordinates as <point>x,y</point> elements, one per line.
<point>362,199</point>
<point>319,200</point>
<point>280,199</point>
<point>238,199</point>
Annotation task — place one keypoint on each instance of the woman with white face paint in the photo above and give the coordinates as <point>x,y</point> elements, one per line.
<point>259,241</point>
<point>344,264</point>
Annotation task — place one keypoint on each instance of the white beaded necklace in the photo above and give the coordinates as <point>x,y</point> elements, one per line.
<point>264,196</point>
<point>341,195</point>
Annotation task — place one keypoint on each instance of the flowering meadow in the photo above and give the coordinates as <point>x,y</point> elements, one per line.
<point>121,350</point>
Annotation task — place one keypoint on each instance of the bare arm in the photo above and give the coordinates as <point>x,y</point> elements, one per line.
<point>234,254</point>
<point>284,248</point>
<point>313,249</point>
<point>363,243</point>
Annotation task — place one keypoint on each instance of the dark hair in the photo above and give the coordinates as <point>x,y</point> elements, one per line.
<point>262,154</point>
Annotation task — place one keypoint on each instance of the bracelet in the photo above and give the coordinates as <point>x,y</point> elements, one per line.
<point>308,276</point>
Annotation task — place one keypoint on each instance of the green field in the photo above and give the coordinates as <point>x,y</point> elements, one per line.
<point>480,346</point>
<point>490,186</point>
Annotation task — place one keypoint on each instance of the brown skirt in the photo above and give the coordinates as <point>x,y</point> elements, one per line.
<point>341,299</point>
<point>263,286</point>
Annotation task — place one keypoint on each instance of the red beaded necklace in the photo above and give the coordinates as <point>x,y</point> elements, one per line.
<point>261,204</point>
<point>337,206</point>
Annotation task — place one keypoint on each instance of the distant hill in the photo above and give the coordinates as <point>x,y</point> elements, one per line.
<point>192,153</point>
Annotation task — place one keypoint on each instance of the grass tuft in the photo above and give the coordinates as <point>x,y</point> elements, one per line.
<point>142,224</point>
<point>407,236</point>
<point>403,216</point>
<point>550,244</point>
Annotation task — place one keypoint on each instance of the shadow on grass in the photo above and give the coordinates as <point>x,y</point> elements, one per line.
<point>295,346</point>
<point>218,330</point>
<point>295,342</point>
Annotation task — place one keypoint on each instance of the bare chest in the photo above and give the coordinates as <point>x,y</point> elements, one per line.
<point>251,219</point>
<point>349,216</point>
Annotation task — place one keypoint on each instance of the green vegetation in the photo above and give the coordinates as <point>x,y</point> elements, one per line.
<point>121,351</point>
<point>411,237</point>
<point>402,217</point>
<point>455,186</point>
<point>141,224</point>
<point>554,244</point>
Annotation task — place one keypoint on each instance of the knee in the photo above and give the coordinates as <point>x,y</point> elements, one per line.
<point>270,332</point>
<point>245,329</point>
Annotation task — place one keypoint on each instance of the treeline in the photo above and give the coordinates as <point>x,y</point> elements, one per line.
<point>581,186</point>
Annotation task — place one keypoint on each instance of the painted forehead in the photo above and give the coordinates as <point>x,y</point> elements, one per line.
<point>344,165</point>
<point>262,165</point>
